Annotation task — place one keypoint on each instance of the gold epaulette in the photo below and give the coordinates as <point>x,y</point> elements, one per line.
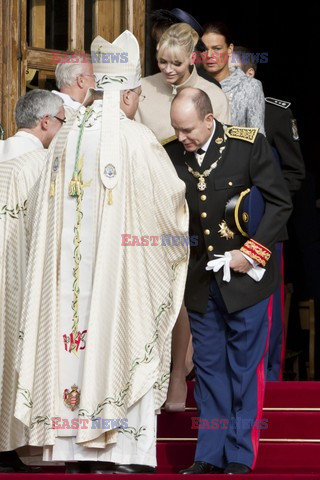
<point>168,140</point>
<point>242,133</point>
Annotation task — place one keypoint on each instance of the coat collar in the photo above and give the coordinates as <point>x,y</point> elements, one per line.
<point>190,82</point>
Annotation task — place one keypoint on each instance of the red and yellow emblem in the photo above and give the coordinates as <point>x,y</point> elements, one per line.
<point>75,342</point>
<point>71,398</point>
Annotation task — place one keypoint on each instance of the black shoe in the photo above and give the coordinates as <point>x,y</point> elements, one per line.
<point>201,467</point>
<point>133,468</point>
<point>102,467</point>
<point>234,468</point>
<point>11,462</point>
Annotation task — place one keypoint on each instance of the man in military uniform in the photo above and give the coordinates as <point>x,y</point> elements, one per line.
<point>280,126</point>
<point>229,310</point>
<point>282,134</point>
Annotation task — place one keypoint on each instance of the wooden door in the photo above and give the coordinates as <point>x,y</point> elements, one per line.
<point>35,33</point>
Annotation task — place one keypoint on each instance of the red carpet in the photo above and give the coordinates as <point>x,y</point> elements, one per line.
<point>282,394</point>
<point>289,446</point>
<point>280,425</point>
<point>276,475</point>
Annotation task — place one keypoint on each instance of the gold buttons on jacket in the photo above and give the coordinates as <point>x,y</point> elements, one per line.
<point>210,248</point>
<point>203,215</point>
<point>206,232</point>
<point>230,184</point>
<point>203,197</point>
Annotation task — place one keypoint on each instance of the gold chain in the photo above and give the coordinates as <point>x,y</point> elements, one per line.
<point>201,185</point>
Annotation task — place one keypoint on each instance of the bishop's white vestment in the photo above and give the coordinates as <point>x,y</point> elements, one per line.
<point>98,314</point>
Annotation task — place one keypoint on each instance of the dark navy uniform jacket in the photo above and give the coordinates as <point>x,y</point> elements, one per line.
<point>282,134</point>
<point>242,165</point>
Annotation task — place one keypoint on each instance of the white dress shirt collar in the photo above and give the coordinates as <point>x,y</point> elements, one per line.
<point>205,146</point>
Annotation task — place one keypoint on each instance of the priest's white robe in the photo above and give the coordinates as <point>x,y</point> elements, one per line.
<point>70,105</point>
<point>19,144</point>
<point>17,177</point>
<point>119,302</point>
<point>67,100</point>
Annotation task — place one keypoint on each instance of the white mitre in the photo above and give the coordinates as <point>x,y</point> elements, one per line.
<point>116,67</point>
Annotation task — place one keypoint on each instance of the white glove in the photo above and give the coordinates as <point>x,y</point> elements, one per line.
<point>221,261</point>
<point>256,272</point>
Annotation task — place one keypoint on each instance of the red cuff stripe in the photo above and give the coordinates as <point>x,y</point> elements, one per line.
<point>256,251</point>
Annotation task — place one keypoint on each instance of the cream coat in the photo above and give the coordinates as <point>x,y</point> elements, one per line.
<point>154,111</point>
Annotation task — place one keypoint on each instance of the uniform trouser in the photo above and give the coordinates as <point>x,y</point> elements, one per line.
<point>277,333</point>
<point>230,358</point>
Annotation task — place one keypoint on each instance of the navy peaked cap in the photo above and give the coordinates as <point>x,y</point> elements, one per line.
<point>244,211</point>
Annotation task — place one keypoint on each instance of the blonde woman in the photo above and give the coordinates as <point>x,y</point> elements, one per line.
<point>176,55</point>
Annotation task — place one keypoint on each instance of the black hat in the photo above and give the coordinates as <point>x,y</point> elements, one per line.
<point>176,15</point>
<point>244,211</point>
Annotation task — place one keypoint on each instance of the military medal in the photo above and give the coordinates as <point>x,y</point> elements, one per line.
<point>201,185</point>
<point>225,231</point>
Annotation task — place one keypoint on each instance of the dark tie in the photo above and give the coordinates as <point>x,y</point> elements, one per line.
<point>200,151</point>
<point>199,154</point>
